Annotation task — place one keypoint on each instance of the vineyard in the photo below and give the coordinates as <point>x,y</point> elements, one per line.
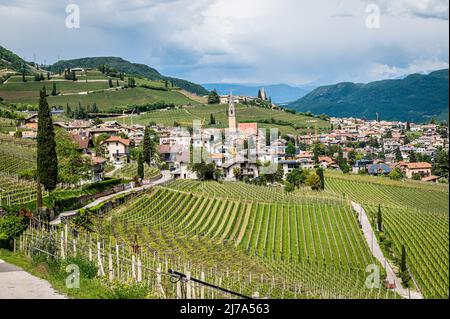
<point>248,192</point>
<point>128,171</point>
<point>415,215</point>
<point>426,238</point>
<point>15,191</point>
<point>314,245</point>
<point>16,155</point>
<point>376,190</point>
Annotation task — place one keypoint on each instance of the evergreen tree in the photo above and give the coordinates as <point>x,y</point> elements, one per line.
<point>54,93</point>
<point>379,219</point>
<point>403,260</point>
<point>319,172</point>
<point>48,75</point>
<point>408,126</point>
<point>290,149</point>
<point>212,119</point>
<point>94,108</point>
<point>313,180</point>
<point>213,97</point>
<point>398,155</point>
<point>147,146</point>
<point>41,77</point>
<point>69,111</point>
<point>117,83</point>
<point>47,161</point>
<point>110,83</point>
<point>316,153</point>
<point>140,166</point>
<point>166,84</point>
<point>413,157</point>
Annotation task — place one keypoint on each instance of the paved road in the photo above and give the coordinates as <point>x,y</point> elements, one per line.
<point>18,284</point>
<point>378,254</point>
<point>165,177</point>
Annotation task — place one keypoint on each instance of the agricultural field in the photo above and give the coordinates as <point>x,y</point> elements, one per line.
<point>415,214</point>
<point>91,86</point>
<point>186,115</point>
<point>378,190</point>
<point>314,245</point>
<point>426,239</point>
<point>15,191</point>
<point>128,171</point>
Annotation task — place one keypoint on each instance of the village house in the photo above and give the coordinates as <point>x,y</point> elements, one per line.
<point>117,148</point>
<point>410,169</point>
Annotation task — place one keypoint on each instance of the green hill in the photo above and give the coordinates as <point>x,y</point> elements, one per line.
<point>122,65</point>
<point>416,98</point>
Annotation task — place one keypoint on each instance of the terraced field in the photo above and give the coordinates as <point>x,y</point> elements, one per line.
<point>128,171</point>
<point>16,154</point>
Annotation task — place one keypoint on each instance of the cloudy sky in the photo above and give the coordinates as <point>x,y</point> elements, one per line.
<point>244,41</point>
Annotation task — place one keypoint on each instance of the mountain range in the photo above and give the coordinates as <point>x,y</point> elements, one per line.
<point>415,98</point>
<point>279,93</point>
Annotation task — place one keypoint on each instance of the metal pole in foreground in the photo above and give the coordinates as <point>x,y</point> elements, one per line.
<point>181,275</point>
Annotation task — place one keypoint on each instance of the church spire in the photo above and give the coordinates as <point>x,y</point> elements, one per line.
<point>231,113</point>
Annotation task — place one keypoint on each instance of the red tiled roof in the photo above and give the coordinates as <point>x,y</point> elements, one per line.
<point>117,139</point>
<point>82,141</point>
<point>97,160</point>
<point>327,159</point>
<point>420,165</point>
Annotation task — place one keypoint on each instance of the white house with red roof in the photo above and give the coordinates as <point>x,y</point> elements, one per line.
<point>117,148</point>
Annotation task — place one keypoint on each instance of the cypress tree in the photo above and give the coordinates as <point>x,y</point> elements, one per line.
<point>140,166</point>
<point>110,83</point>
<point>147,146</point>
<point>47,160</point>
<point>48,75</point>
<point>379,219</point>
<point>54,89</point>
<point>403,260</point>
<point>398,155</point>
<point>319,172</point>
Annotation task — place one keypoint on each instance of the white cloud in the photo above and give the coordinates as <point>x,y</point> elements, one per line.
<point>292,41</point>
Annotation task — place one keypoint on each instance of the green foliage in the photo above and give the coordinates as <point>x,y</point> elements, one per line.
<point>396,174</point>
<point>47,160</point>
<point>88,269</point>
<point>120,290</point>
<point>290,149</point>
<point>320,173</point>
<point>101,186</point>
<point>140,166</point>
<point>313,180</point>
<point>213,97</point>
<point>11,227</point>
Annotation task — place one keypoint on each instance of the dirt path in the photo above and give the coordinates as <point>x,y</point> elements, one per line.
<point>378,254</point>
<point>16,283</point>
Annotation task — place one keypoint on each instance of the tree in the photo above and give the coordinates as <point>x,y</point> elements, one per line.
<point>110,83</point>
<point>316,151</point>
<point>319,172</point>
<point>41,77</point>
<point>398,155</point>
<point>69,111</point>
<point>47,160</point>
<point>403,260</point>
<point>396,174</point>
<point>140,166</point>
<point>290,149</point>
<point>237,172</point>
<point>288,187</point>
<point>313,181</point>
<point>379,219</point>
<point>440,165</point>
<point>48,75</point>
<point>413,157</point>
<point>131,82</point>
<point>147,146</point>
<point>213,97</point>
<point>408,126</point>
<point>94,108</point>
<point>417,177</point>
<point>212,119</point>
<point>54,93</point>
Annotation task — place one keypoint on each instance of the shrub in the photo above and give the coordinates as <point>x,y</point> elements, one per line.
<point>118,290</point>
<point>88,269</point>
<point>11,227</point>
